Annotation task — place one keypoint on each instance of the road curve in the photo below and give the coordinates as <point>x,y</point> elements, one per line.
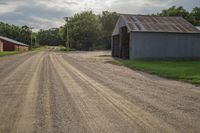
<point>79,92</point>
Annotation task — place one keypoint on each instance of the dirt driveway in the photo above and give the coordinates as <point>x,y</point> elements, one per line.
<point>80,92</point>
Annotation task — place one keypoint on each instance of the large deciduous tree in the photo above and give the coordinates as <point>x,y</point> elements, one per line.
<point>108,21</point>
<point>175,11</point>
<point>84,31</point>
<point>196,16</point>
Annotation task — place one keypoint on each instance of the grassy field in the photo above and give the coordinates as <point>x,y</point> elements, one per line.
<point>8,53</point>
<point>188,71</point>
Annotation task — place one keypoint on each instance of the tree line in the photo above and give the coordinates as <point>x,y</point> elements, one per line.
<point>50,37</point>
<point>193,17</point>
<point>21,34</point>
<point>86,30</point>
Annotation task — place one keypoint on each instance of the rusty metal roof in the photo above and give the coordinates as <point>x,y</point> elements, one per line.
<point>145,23</point>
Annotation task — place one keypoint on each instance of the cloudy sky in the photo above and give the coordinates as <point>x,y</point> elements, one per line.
<point>44,14</point>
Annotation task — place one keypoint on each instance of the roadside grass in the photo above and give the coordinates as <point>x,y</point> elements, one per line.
<point>39,48</point>
<point>105,56</point>
<point>5,53</point>
<point>64,49</point>
<point>188,71</point>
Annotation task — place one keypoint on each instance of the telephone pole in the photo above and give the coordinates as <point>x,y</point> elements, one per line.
<point>67,43</point>
<point>31,36</point>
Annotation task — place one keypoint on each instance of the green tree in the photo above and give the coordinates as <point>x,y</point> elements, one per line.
<point>175,11</point>
<point>25,34</point>
<point>84,29</point>
<point>108,21</point>
<point>195,15</point>
<point>50,37</point>
<point>63,33</point>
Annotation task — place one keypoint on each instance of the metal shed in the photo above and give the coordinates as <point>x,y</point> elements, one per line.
<point>7,44</point>
<point>155,37</point>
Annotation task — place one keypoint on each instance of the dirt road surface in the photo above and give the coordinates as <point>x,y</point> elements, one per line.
<point>80,92</point>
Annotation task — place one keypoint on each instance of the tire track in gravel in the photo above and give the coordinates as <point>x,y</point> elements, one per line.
<point>13,91</point>
<point>27,119</point>
<point>43,114</point>
<point>33,99</point>
<point>55,110</point>
<point>139,119</point>
<point>176,104</point>
<point>8,64</point>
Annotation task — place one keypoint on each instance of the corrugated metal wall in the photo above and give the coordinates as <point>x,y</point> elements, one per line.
<point>164,45</point>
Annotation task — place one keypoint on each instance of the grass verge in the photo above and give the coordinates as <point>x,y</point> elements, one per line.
<point>8,53</point>
<point>40,48</point>
<point>188,71</point>
<point>62,48</point>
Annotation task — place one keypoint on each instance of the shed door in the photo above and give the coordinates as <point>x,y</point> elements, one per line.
<point>115,46</point>
<point>124,47</point>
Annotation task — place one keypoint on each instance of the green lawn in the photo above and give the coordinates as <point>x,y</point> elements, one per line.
<point>8,53</point>
<point>188,71</point>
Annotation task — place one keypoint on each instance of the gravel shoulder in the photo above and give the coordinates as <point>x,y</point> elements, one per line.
<point>74,92</point>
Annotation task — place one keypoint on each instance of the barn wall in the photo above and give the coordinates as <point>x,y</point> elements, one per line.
<point>1,46</point>
<point>164,46</point>
<point>8,46</point>
<point>21,48</point>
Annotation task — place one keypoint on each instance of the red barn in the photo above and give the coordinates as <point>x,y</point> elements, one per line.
<point>7,44</point>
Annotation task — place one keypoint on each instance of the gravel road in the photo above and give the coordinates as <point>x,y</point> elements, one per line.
<point>80,92</point>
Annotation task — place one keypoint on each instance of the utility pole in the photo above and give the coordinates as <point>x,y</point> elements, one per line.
<point>31,36</point>
<point>67,43</point>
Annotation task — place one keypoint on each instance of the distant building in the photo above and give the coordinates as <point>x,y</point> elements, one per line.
<point>154,37</point>
<point>7,44</point>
